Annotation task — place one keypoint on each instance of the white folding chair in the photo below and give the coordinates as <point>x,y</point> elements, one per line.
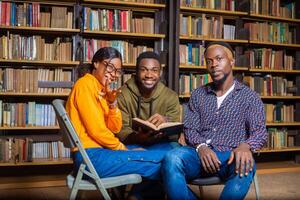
<point>71,140</point>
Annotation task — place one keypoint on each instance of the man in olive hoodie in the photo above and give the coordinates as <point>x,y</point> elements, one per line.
<point>146,97</point>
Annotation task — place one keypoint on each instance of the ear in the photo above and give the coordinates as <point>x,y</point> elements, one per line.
<point>96,65</point>
<point>232,62</point>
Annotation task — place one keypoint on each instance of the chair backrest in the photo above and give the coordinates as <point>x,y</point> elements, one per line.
<point>70,136</point>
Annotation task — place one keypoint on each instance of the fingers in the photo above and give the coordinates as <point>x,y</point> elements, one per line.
<point>230,158</point>
<point>210,161</point>
<point>156,119</point>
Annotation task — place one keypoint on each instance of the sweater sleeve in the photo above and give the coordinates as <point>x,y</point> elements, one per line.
<point>93,118</point>
<point>173,110</point>
<point>126,118</point>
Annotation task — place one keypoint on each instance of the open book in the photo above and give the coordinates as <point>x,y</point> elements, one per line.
<point>169,128</point>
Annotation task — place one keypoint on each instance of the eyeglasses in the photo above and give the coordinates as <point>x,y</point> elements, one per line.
<point>110,68</point>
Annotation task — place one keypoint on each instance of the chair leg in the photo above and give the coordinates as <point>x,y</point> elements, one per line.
<point>201,192</point>
<point>78,178</point>
<point>256,186</point>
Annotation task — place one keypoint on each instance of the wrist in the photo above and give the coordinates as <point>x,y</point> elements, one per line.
<point>113,104</point>
<point>204,144</point>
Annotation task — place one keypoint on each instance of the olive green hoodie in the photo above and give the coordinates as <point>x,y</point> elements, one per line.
<point>163,101</point>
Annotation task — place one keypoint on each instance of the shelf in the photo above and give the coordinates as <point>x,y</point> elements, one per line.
<point>125,34</point>
<point>204,67</point>
<point>275,71</point>
<point>36,162</point>
<point>41,29</point>
<point>259,16</point>
<point>40,62</point>
<point>277,167</point>
<point>200,38</point>
<point>30,128</point>
<point>214,11</point>
<point>33,94</point>
<point>130,4</point>
<point>283,124</point>
<point>279,150</point>
<point>275,44</point>
<point>280,97</point>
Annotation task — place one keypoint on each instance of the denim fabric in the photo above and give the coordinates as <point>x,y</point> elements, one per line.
<point>110,163</point>
<point>183,164</point>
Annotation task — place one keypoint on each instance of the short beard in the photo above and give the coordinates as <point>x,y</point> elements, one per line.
<point>221,81</point>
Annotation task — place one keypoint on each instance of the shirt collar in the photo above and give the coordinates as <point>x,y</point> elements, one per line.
<point>211,89</point>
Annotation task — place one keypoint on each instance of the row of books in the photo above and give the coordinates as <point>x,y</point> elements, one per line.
<point>27,80</point>
<point>277,32</point>
<point>116,20</point>
<point>279,112</point>
<point>269,85</point>
<point>33,15</point>
<point>129,50</point>
<point>281,138</point>
<point>189,82</point>
<point>50,150</point>
<point>15,46</point>
<point>266,58</point>
<point>192,54</point>
<point>211,4</point>
<point>15,150</point>
<point>138,1</point>
<point>206,26</point>
<point>277,8</point>
<point>26,114</point>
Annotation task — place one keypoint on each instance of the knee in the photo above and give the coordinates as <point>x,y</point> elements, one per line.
<point>174,158</point>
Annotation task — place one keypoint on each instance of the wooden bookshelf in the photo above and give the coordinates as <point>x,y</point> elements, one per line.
<point>39,62</point>
<point>281,97</point>
<point>212,11</point>
<point>282,124</point>
<point>30,128</point>
<point>36,162</point>
<point>274,18</point>
<point>279,150</point>
<point>144,6</point>
<point>275,44</point>
<point>281,71</point>
<point>277,167</point>
<point>61,31</point>
<point>18,94</point>
<point>204,67</point>
<point>200,38</point>
<point>124,34</point>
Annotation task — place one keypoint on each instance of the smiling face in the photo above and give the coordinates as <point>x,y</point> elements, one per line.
<point>104,75</point>
<point>148,74</point>
<point>219,62</point>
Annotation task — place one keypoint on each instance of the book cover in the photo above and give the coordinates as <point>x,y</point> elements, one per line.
<point>169,128</point>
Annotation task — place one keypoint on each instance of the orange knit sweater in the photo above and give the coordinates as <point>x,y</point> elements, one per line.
<point>94,122</point>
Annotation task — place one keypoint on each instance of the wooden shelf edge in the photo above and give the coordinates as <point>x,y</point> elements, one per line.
<point>33,94</point>
<point>38,162</point>
<point>290,149</point>
<point>43,62</point>
<point>211,39</point>
<point>275,44</point>
<point>146,5</point>
<point>283,124</point>
<point>274,18</point>
<point>207,10</point>
<point>294,71</point>
<point>146,35</point>
<point>30,128</point>
<point>48,29</point>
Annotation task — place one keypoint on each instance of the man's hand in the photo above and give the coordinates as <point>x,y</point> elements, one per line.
<point>243,159</point>
<point>209,159</point>
<point>157,119</point>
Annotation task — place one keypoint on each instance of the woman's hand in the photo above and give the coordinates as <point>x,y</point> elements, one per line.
<point>111,94</point>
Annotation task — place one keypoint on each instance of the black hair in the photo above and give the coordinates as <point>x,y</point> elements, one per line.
<point>224,44</point>
<point>100,55</point>
<point>145,55</point>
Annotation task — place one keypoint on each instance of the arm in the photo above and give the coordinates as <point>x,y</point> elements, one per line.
<point>192,123</point>
<point>255,122</point>
<point>126,119</point>
<point>93,119</point>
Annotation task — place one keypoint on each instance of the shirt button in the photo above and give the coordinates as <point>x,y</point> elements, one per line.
<point>217,112</point>
<point>214,129</point>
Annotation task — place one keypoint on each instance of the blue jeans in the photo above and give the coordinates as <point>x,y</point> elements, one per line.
<point>110,163</point>
<point>183,164</point>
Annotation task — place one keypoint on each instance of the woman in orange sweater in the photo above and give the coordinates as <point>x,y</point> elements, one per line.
<point>92,107</point>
